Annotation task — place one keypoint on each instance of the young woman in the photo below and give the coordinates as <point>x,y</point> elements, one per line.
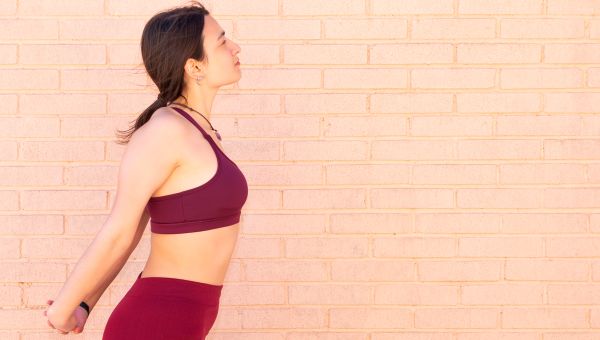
<point>175,173</point>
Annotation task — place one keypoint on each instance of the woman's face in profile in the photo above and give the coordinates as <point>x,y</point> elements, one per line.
<point>222,54</point>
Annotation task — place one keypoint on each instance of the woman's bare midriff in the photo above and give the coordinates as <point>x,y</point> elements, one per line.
<point>201,256</point>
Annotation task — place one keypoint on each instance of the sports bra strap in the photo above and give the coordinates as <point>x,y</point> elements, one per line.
<point>193,121</point>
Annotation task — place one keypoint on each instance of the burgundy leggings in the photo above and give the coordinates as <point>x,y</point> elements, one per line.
<point>164,308</point>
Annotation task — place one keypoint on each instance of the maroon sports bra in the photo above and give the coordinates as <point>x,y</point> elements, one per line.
<point>214,204</point>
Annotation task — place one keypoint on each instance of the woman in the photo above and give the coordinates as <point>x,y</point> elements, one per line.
<point>175,173</point>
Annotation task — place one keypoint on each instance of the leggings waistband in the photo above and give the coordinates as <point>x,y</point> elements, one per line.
<point>174,287</point>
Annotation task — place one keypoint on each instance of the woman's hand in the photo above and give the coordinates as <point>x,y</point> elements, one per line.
<point>75,323</point>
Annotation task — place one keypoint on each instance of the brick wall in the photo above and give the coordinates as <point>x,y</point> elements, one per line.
<point>418,169</point>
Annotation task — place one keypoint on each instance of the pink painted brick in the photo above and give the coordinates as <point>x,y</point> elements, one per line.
<point>61,150</point>
<point>325,103</point>
<point>20,29</point>
<point>499,149</point>
<point>277,29</point>
<point>593,77</point>
<point>324,198</point>
<point>281,78</point>
<point>10,247</point>
<point>454,174</point>
<point>528,78</point>
<point>63,199</point>
<point>337,247</point>
<point>550,173</point>
<point>103,28</point>
<point>8,7</point>
<point>10,296</point>
<point>410,53</point>
<point>372,270</point>
<point>314,7</point>
<point>324,150</point>
<point>144,8</point>
<point>372,223</point>
<point>503,7</point>
<point>571,148</point>
<point>367,78</point>
<point>448,125</point>
<point>462,318</point>
<point>36,224</point>
<point>594,28</point>
<point>325,54</point>
<point>459,270</point>
<point>245,8</point>
<point>499,53</point>
<point>93,126</point>
<point>30,126</point>
<point>258,247</point>
<point>411,103</point>
<point>330,294</point>
<point>367,174</point>
<point>33,271</point>
<point>62,54</point>
<point>545,28</point>
<point>545,269</point>
<point>8,52</point>
<point>573,294</point>
<point>67,8</point>
<point>103,79</point>
<point>243,104</point>
<point>453,28</point>
<point>530,223</point>
<point>411,7</point>
<point>282,174</point>
<point>571,102</point>
<point>408,246</point>
<point>538,125</point>
<point>29,79</point>
<point>567,7</point>
<point>425,198</point>
<point>498,102</point>
<point>371,125</point>
<point>545,317</point>
<point>9,200</point>
<point>285,270</point>
<point>285,223</point>
<point>31,175</point>
<point>281,127</point>
<point>284,317</point>
<point>379,28</point>
<point>380,318</point>
<point>416,294</point>
<point>440,78</point>
<point>91,175</point>
<point>9,103</point>
<point>413,149</point>
<point>262,54</point>
<point>570,53</point>
<point>499,198</point>
<point>56,104</point>
<point>500,246</point>
<point>587,246</point>
<point>253,294</point>
<point>458,223</point>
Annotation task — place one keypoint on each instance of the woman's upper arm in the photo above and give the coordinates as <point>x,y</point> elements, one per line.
<point>148,160</point>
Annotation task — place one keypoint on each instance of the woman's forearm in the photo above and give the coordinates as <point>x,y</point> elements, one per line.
<point>99,261</point>
<point>93,298</point>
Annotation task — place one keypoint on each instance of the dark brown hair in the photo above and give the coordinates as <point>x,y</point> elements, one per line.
<point>169,38</point>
